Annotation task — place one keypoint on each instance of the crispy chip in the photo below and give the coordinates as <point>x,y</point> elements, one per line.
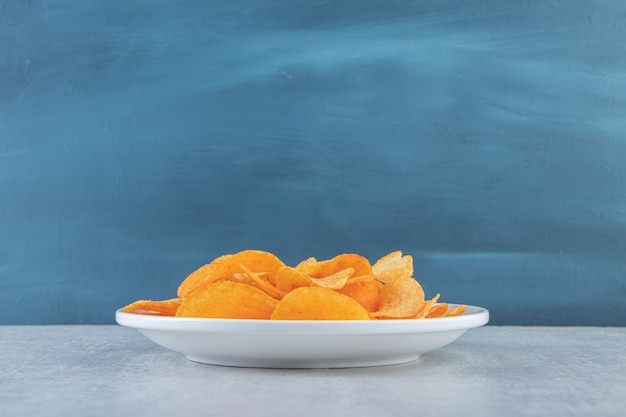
<point>456,311</point>
<point>200,276</point>
<point>426,307</point>
<point>335,281</point>
<point>263,284</point>
<point>392,266</point>
<point>226,266</point>
<point>156,308</point>
<point>321,269</point>
<point>438,310</point>
<point>401,298</point>
<point>289,278</point>
<point>365,290</point>
<point>227,299</point>
<point>316,303</point>
<point>307,266</point>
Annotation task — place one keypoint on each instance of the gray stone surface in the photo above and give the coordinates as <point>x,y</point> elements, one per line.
<point>491,371</point>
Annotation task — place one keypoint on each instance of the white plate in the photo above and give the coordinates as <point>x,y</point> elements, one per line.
<point>302,344</point>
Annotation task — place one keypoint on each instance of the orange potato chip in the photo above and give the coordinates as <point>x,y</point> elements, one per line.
<point>317,303</point>
<point>263,284</point>
<point>289,278</point>
<point>335,281</point>
<point>227,299</point>
<point>393,265</point>
<point>365,290</point>
<point>321,269</point>
<point>426,307</point>
<point>360,264</point>
<point>438,310</point>
<point>226,266</point>
<point>200,276</point>
<point>307,266</point>
<point>261,261</point>
<point>456,311</point>
<point>156,308</point>
<point>401,298</point>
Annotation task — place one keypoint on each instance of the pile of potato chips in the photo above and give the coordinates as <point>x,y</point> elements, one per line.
<point>254,284</point>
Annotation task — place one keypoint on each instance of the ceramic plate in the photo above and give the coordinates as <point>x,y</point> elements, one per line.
<point>302,344</point>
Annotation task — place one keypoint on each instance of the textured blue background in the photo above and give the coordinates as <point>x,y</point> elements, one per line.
<point>138,140</point>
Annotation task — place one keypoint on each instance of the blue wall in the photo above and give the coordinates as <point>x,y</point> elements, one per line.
<point>138,140</point>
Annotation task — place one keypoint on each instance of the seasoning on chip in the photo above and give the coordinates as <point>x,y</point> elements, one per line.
<point>255,284</point>
<point>228,300</point>
<point>318,303</point>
